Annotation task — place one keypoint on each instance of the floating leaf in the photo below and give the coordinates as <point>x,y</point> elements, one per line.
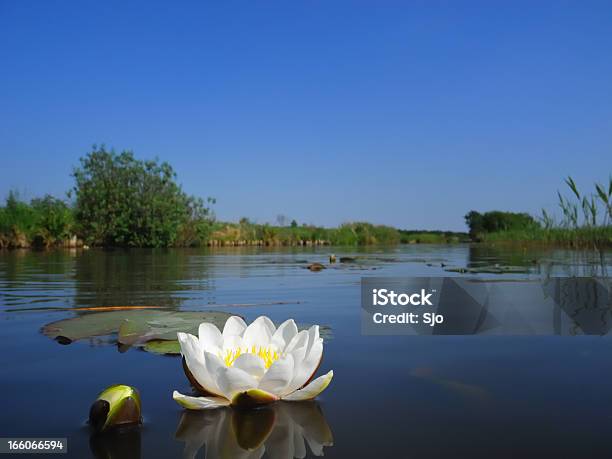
<point>502,269</point>
<point>87,308</point>
<point>131,331</point>
<point>154,331</point>
<point>163,347</point>
<point>136,326</point>
<point>496,269</point>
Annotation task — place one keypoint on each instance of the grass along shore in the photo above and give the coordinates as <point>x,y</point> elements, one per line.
<point>594,237</point>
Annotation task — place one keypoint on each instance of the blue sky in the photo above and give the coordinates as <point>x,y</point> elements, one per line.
<point>401,113</point>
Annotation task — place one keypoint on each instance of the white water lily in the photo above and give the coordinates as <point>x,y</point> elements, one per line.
<point>251,365</point>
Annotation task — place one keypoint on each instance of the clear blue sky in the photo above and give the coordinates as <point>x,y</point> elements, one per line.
<point>402,113</point>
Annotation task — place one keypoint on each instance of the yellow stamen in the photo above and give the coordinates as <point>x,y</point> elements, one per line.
<point>268,355</point>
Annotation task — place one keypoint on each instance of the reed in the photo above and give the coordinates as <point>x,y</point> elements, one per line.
<point>586,221</point>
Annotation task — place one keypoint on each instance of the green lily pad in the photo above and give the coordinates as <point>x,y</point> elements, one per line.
<point>133,327</point>
<point>163,347</point>
<point>152,330</point>
<point>131,331</point>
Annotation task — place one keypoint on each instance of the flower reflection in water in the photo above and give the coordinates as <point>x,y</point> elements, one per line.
<point>280,431</point>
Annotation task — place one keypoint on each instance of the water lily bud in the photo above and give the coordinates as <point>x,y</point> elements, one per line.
<point>116,405</point>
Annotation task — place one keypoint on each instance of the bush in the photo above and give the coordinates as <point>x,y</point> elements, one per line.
<point>497,221</point>
<point>123,201</point>
<point>54,220</point>
<point>43,222</point>
<point>16,216</point>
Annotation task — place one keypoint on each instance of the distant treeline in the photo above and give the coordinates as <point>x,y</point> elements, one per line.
<point>354,233</point>
<point>432,237</point>
<point>586,221</point>
<point>497,221</point>
<point>120,201</point>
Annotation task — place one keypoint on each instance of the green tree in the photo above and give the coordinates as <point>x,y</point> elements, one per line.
<point>496,221</point>
<point>124,201</point>
<point>507,221</point>
<point>474,221</point>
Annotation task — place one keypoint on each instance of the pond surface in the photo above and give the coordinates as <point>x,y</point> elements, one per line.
<point>391,396</point>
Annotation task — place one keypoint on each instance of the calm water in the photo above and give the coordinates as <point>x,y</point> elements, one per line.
<point>397,396</point>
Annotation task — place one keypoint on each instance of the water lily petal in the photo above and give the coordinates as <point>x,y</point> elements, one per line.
<point>194,358</point>
<point>311,390</point>
<point>298,341</point>
<point>199,403</point>
<point>190,345</point>
<point>268,323</point>
<point>210,337</point>
<point>213,365</point>
<point>234,380</point>
<point>232,342</point>
<point>278,376</point>
<point>235,325</point>
<point>252,364</point>
<point>305,369</point>
<point>299,353</point>
<point>258,333</point>
<point>313,337</point>
<point>303,355</point>
<point>284,334</point>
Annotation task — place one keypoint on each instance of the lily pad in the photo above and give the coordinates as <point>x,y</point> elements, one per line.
<point>133,327</point>
<point>501,269</point>
<point>494,269</point>
<point>152,330</point>
<point>163,347</point>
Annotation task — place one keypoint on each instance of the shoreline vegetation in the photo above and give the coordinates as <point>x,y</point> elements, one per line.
<point>586,222</point>
<point>246,233</point>
<point>120,201</point>
<point>30,229</point>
